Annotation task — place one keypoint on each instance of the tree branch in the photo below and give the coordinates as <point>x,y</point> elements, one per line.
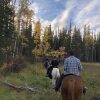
<point>27,88</point>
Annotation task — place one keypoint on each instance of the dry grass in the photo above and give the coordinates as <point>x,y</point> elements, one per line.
<point>34,76</point>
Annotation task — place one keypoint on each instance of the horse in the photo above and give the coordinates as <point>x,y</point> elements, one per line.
<point>53,74</point>
<point>72,88</point>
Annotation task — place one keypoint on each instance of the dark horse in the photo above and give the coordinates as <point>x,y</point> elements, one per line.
<point>72,88</point>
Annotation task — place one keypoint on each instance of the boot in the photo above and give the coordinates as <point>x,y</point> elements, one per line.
<point>85,90</point>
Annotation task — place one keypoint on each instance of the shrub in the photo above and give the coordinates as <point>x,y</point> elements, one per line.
<point>17,64</point>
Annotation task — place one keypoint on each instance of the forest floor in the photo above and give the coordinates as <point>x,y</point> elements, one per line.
<point>34,76</point>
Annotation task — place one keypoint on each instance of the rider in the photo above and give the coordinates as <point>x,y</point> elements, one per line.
<point>46,63</point>
<point>54,64</point>
<point>72,66</point>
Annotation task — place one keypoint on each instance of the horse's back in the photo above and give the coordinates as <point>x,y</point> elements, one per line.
<point>72,88</point>
<point>55,73</point>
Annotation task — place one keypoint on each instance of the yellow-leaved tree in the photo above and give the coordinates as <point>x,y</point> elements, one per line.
<point>59,53</point>
<point>88,39</point>
<point>37,33</point>
<point>37,29</point>
<point>45,46</point>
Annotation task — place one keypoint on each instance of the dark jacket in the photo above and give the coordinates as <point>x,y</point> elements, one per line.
<point>55,63</point>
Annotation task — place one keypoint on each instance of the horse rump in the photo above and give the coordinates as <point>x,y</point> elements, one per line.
<point>72,88</point>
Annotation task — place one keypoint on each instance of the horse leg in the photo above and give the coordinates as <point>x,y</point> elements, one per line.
<point>64,95</point>
<point>53,82</point>
<point>79,91</point>
<point>79,97</point>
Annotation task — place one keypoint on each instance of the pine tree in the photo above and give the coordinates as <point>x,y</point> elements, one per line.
<point>76,43</point>
<point>50,36</point>
<point>6,29</point>
<point>88,42</point>
<point>30,46</point>
<point>62,38</point>
<point>98,48</point>
<point>55,43</point>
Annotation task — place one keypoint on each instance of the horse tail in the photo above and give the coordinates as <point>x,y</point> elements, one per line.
<point>71,90</point>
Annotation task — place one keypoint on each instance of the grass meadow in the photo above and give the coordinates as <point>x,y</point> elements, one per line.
<point>34,76</point>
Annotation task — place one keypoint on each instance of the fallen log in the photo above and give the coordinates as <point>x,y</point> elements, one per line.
<point>27,88</point>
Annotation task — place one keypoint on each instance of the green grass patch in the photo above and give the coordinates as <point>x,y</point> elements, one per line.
<point>34,76</point>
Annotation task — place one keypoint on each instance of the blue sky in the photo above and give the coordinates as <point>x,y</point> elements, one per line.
<point>58,13</point>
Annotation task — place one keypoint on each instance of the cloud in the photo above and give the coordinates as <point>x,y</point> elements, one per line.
<point>34,6</point>
<point>87,15</point>
<point>86,10</point>
<point>79,11</point>
<point>45,23</point>
<point>61,20</point>
<point>57,0</point>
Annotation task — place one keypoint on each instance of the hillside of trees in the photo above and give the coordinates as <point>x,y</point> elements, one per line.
<point>20,36</point>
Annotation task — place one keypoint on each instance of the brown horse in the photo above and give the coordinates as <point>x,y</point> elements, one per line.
<point>72,88</point>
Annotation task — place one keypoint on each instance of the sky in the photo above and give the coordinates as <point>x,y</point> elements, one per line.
<point>59,13</point>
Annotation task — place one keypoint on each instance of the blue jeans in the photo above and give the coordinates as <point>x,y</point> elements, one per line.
<point>58,83</point>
